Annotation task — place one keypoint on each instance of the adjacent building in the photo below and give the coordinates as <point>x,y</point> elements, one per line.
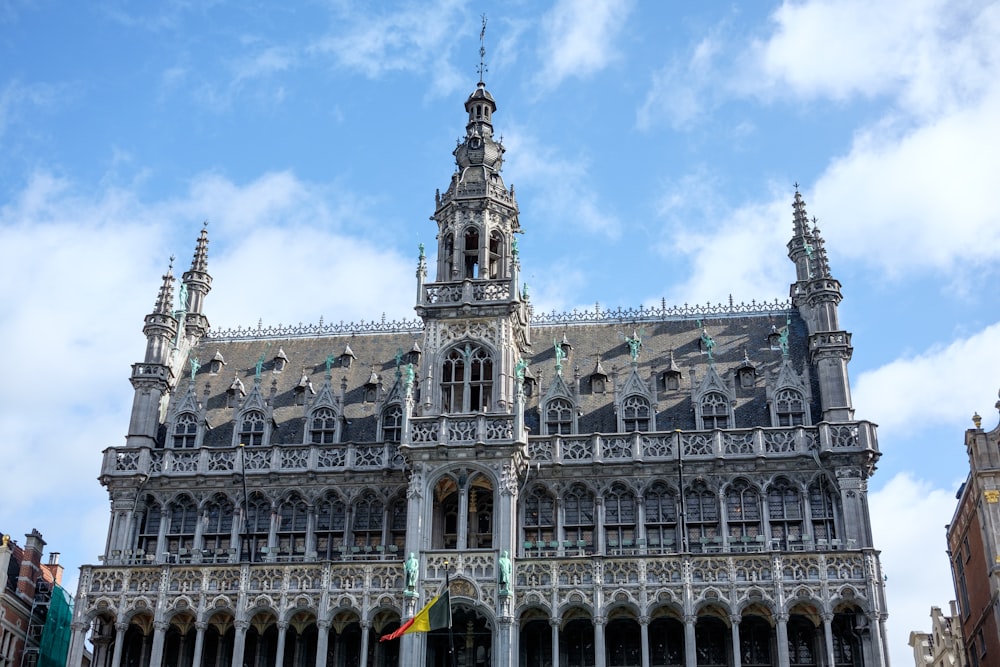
<point>651,486</point>
<point>942,646</point>
<point>34,610</point>
<point>974,547</point>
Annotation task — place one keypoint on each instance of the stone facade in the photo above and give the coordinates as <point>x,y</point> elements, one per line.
<point>664,486</point>
<point>974,547</point>
<point>942,646</point>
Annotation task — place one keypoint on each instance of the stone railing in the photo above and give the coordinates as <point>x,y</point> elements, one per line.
<point>462,429</point>
<point>229,460</point>
<point>703,445</point>
<point>468,291</point>
<point>127,587</point>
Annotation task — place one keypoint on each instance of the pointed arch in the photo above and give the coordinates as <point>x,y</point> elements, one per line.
<point>253,429</point>
<point>620,530</point>
<point>217,529</point>
<point>559,417</point>
<point>823,509</point>
<point>743,516</point>
<point>539,523</point>
<point>660,504</point>
<point>784,512</point>
<point>182,521</point>
<point>391,423</point>
<point>636,414</point>
<point>368,512</point>
<point>293,524</point>
<point>185,431</point>
<point>324,426</point>
<point>578,509</point>
<point>331,524</point>
<point>701,506</point>
<point>467,378</point>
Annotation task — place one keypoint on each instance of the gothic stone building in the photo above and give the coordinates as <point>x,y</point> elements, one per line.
<point>665,486</point>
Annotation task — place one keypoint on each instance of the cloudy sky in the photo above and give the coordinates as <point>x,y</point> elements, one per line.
<point>653,147</point>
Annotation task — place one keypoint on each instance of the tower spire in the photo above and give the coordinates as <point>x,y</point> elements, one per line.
<point>482,52</point>
<point>197,283</point>
<point>165,296</point>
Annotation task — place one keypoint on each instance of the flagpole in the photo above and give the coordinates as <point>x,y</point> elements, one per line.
<point>451,632</point>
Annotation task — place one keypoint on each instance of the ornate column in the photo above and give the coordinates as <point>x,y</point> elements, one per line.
<point>734,624</point>
<point>159,635</point>
<point>199,642</point>
<point>161,537</point>
<point>554,623</point>
<point>322,641</point>
<point>723,521</point>
<point>279,654</point>
<point>116,657</point>
<point>875,635</point>
<point>239,642</point>
<point>77,643</point>
<point>600,650</point>
<point>782,626</point>
<point>365,625</point>
<point>600,542</point>
<point>644,638</point>
<point>828,636</point>
<point>690,649</point>
<point>462,537</point>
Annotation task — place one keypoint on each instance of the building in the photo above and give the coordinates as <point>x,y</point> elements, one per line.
<point>942,646</point>
<point>974,547</point>
<point>655,486</point>
<point>34,615</point>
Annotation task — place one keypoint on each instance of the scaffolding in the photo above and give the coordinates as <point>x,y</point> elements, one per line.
<point>46,643</point>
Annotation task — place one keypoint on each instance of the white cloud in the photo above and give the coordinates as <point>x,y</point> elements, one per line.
<point>558,186</point>
<point>908,519</point>
<point>578,38</point>
<point>972,373</point>
<point>418,38</point>
<point>80,270</point>
<point>931,54</point>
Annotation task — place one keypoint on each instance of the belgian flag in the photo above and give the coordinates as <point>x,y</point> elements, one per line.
<point>434,616</point>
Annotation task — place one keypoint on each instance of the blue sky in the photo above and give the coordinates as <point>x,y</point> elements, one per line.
<point>653,148</point>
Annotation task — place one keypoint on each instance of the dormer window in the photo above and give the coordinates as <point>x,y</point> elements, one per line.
<point>774,338</point>
<point>347,357</point>
<point>413,356</point>
<point>185,431</point>
<point>252,428</point>
<point>371,387</point>
<point>635,414</point>
<point>279,362</point>
<point>714,411</point>
<point>789,408</point>
<point>236,393</point>
<point>323,427</point>
<point>216,364</point>
<point>303,389</point>
<point>528,386</point>
<point>672,380</point>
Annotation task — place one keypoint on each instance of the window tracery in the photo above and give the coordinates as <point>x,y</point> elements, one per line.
<point>185,431</point>
<point>323,426</point>
<point>635,414</point>
<point>467,379</point>
<point>251,431</point>
<point>714,411</point>
<point>558,417</point>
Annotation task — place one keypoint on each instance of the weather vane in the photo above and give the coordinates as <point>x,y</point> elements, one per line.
<point>482,51</point>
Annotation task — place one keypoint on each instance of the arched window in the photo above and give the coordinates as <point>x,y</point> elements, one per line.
<point>714,411</point>
<point>149,529</point>
<point>217,531</point>
<point>579,513</point>
<point>635,414</point>
<point>822,507</point>
<point>252,428</point>
<point>539,517</point>
<point>397,525</point>
<point>293,518</point>
<point>448,258</point>
<point>755,642</point>
<point>804,641</point>
<point>480,528</point>
<point>846,644</point>
<point>369,517</point>
<point>467,379</point>
<point>185,431</point>
<point>661,518</point>
<point>619,518</point>
<point>180,529</point>
<point>702,517</point>
<point>496,256</point>
<point>471,252</point>
<point>331,517</point>
<point>558,417</point>
<point>323,426</point>
<point>258,527</point>
<point>789,408</point>
<point>743,513</point>
<point>784,509</point>
<point>392,423</point>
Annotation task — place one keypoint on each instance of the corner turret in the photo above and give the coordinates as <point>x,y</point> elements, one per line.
<point>197,283</point>
<point>816,294</point>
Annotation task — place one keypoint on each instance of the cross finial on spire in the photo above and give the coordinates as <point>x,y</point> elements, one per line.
<point>482,51</point>
<point>796,186</point>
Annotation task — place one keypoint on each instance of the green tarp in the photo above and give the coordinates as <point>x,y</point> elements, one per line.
<point>57,632</point>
